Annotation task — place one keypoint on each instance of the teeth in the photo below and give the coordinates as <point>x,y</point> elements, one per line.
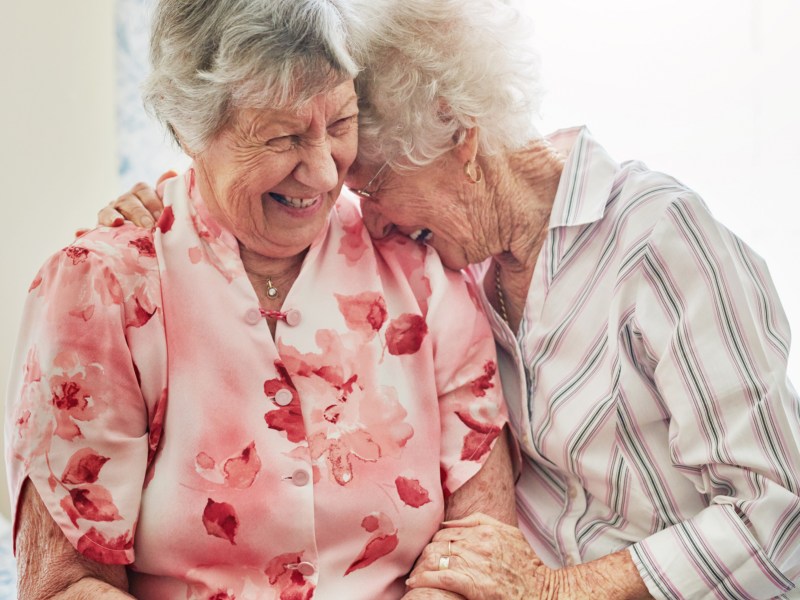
<point>420,235</point>
<point>295,202</point>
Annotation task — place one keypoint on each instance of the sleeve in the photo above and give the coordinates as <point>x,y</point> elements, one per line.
<point>471,404</point>
<point>76,422</point>
<point>718,341</point>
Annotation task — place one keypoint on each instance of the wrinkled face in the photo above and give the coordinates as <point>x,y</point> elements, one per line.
<point>427,204</point>
<point>272,176</point>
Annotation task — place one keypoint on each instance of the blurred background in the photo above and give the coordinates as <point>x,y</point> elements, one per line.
<point>706,90</point>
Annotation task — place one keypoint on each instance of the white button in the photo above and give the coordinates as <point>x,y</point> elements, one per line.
<point>292,317</point>
<point>283,397</point>
<point>300,478</point>
<point>306,569</point>
<point>252,316</point>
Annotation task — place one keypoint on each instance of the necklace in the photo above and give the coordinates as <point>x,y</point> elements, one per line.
<point>272,291</point>
<point>501,299</point>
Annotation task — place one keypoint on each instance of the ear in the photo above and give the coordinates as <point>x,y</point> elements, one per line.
<point>467,149</point>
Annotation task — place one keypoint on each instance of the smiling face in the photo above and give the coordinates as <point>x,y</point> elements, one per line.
<point>272,176</point>
<point>434,204</point>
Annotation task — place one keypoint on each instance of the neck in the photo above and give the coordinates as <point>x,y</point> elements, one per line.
<point>521,188</point>
<point>281,272</point>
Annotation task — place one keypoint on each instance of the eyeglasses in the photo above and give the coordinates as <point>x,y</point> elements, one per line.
<point>365,192</point>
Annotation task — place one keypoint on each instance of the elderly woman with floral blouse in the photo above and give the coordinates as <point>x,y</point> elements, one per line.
<point>253,400</point>
<point>643,346</point>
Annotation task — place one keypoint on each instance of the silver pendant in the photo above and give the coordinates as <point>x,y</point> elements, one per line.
<point>272,291</point>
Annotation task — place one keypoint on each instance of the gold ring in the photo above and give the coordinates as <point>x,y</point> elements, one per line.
<point>444,562</point>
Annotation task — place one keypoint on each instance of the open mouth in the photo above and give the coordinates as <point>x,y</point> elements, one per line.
<point>421,235</point>
<point>294,202</point>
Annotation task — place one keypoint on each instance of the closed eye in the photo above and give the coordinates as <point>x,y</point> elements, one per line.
<point>343,126</point>
<point>283,143</point>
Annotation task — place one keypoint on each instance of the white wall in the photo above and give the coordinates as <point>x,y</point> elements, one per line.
<point>706,90</point>
<point>57,141</point>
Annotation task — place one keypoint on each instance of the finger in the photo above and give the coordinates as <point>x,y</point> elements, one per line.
<point>473,520</point>
<point>109,217</point>
<point>145,195</point>
<point>448,580</point>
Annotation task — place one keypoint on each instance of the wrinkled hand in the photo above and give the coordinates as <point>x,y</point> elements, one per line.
<point>430,594</point>
<point>489,560</point>
<point>141,204</point>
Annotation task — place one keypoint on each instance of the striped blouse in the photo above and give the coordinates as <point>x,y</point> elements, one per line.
<point>647,387</point>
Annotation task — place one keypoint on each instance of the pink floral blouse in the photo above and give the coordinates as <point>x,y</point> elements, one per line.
<point>164,427</point>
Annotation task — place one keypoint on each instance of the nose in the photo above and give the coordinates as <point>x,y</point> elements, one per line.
<point>317,168</point>
<point>377,225</point>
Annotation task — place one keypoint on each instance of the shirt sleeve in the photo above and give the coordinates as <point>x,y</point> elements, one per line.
<point>471,404</point>
<point>718,341</point>
<point>76,422</point>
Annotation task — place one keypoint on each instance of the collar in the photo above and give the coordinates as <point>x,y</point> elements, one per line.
<point>586,181</point>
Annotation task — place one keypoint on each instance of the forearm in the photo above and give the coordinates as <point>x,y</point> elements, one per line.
<point>90,588</point>
<point>490,491</point>
<point>614,576</point>
<point>49,567</point>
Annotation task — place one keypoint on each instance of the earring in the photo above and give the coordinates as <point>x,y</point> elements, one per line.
<point>473,171</point>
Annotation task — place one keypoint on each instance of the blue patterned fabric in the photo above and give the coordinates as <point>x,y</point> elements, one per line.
<point>143,146</point>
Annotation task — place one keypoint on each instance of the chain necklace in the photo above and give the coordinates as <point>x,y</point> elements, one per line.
<point>501,299</point>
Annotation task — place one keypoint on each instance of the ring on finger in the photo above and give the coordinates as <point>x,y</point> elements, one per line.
<point>444,562</point>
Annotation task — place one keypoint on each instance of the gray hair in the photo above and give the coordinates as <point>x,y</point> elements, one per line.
<point>435,68</point>
<point>210,57</point>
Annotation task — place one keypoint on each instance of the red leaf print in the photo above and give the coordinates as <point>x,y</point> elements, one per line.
<point>96,546</point>
<point>157,425</point>
<point>140,316</point>
<point>382,542</point>
<point>353,246</point>
<point>83,467</point>
<point>405,334</point>
<point>144,245</point>
<point>365,312</point>
<point>166,220</point>
<point>292,583</point>
<point>204,461</point>
<point>287,418</point>
<point>76,254</point>
<point>241,471</point>
<point>35,283</point>
<point>220,520</point>
<point>476,425</point>
<point>84,313</point>
<point>411,492</point>
<point>93,503</point>
<point>376,548</point>
<point>484,382</point>
<point>477,444</point>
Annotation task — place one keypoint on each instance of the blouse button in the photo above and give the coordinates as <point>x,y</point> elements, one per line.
<point>306,569</point>
<point>252,316</point>
<point>300,478</point>
<point>283,397</point>
<point>293,317</point>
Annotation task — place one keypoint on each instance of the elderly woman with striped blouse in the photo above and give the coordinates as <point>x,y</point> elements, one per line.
<point>643,345</point>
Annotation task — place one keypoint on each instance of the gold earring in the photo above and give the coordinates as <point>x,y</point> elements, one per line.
<point>473,171</point>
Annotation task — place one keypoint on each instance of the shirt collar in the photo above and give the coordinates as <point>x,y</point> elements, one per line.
<point>586,180</point>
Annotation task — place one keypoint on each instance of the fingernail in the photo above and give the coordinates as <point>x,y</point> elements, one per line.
<point>117,222</point>
<point>157,214</point>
